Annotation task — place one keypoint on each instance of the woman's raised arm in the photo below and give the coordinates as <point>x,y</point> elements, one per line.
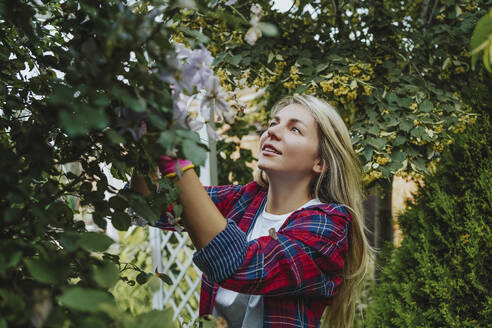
<point>201,218</point>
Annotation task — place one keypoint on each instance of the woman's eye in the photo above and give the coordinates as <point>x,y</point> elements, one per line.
<point>297,130</point>
<point>271,124</point>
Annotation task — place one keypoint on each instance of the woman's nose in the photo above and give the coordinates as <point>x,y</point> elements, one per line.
<point>274,131</point>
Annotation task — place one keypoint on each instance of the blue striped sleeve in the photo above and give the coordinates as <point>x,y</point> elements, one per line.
<point>220,258</point>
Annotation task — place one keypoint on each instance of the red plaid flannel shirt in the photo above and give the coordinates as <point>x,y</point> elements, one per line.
<point>297,270</point>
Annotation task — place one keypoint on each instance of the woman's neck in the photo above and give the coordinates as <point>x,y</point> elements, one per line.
<point>285,195</point>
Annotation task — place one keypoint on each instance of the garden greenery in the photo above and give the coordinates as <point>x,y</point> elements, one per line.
<point>79,78</point>
<point>440,275</point>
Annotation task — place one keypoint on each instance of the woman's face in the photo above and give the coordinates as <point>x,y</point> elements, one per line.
<point>291,143</point>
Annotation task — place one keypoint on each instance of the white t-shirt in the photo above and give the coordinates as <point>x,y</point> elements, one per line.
<point>244,310</point>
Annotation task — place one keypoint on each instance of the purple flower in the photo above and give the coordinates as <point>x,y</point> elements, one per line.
<point>215,98</point>
<point>197,69</point>
<point>189,69</point>
<point>182,115</point>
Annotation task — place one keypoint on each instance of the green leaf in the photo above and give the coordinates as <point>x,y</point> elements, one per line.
<point>68,240</point>
<point>481,34</point>
<point>12,302</point>
<point>374,130</point>
<point>166,139</point>
<point>118,203</point>
<point>399,140</point>
<point>154,284</point>
<point>136,104</point>
<point>368,153</point>
<point>121,220</point>
<point>92,322</point>
<point>192,151</point>
<point>106,275</point>
<point>194,34</point>
<point>268,29</point>
<point>9,259</point>
<point>94,241</point>
<point>235,60</point>
<point>140,206</point>
<point>406,125</point>
<point>82,119</point>
<point>426,106</point>
<point>41,270</point>
<point>142,277</point>
<point>178,210</point>
<point>377,143</point>
<point>398,156</point>
<point>418,132</point>
<point>85,299</point>
<point>156,318</point>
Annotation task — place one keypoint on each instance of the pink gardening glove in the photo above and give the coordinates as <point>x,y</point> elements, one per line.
<point>167,166</point>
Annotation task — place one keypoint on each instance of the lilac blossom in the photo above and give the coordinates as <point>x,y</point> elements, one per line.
<point>231,2</point>
<point>190,68</point>
<point>190,72</point>
<point>181,113</point>
<point>214,98</point>
<point>197,69</point>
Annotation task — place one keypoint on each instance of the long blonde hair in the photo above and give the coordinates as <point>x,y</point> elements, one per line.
<point>340,182</point>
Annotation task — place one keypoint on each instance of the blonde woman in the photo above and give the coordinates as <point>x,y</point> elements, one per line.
<point>288,249</point>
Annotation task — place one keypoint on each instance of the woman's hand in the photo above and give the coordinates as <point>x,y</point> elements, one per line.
<point>173,167</point>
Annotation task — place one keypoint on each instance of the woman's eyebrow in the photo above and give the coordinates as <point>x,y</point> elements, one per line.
<point>295,120</point>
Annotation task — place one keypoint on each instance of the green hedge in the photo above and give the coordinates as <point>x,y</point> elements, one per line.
<point>440,275</point>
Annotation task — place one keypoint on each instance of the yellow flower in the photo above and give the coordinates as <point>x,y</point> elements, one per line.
<point>289,85</point>
<point>416,122</point>
<point>352,95</point>
<point>441,17</point>
<point>344,79</point>
<point>438,148</point>
<point>365,77</point>
<point>326,85</point>
<point>382,160</point>
<point>342,90</point>
<point>199,23</point>
<point>213,49</point>
<point>367,90</point>
<point>312,89</point>
<point>222,74</point>
<point>414,107</point>
<point>279,67</point>
<point>354,70</point>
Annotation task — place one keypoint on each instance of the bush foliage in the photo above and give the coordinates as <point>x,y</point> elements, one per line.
<point>440,275</point>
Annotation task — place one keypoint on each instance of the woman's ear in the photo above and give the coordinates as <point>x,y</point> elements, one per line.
<point>318,166</point>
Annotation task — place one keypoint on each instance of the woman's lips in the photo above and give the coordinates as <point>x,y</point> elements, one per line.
<point>269,152</point>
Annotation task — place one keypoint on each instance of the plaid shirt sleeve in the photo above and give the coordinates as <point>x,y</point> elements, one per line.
<point>305,257</point>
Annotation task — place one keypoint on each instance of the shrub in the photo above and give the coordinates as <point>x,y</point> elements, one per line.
<point>440,275</point>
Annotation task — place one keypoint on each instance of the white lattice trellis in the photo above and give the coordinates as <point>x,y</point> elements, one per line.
<point>172,254</point>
